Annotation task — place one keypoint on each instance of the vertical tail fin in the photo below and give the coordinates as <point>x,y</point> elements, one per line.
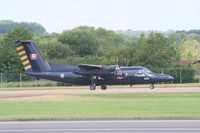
<point>31,58</point>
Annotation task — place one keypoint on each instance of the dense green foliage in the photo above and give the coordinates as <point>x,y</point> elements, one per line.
<point>155,50</point>
<point>9,61</point>
<point>8,25</point>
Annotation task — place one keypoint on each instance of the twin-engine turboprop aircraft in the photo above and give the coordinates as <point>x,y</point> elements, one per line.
<point>85,74</point>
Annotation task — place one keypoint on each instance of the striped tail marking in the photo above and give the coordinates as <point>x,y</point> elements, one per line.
<point>24,58</point>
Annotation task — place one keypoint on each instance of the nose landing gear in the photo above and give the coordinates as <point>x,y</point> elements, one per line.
<point>152,86</point>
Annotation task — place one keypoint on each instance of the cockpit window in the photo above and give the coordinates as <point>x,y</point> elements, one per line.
<point>139,71</point>
<point>147,70</point>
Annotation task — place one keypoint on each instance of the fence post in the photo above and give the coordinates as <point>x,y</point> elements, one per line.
<point>20,79</point>
<point>180,76</point>
<point>1,80</point>
<point>35,82</point>
<point>54,83</point>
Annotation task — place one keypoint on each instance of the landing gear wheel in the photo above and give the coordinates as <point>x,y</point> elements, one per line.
<point>92,87</point>
<point>104,87</point>
<point>152,86</point>
<point>93,83</point>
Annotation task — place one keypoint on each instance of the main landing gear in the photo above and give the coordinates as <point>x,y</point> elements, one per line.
<point>93,87</point>
<point>93,84</point>
<point>152,86</point>
<point>104,87</point>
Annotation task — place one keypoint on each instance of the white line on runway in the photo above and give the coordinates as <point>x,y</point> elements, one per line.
<point>99,129</point>
<point>105,121</point>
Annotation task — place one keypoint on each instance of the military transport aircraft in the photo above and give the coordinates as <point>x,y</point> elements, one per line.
<point>85,74</point>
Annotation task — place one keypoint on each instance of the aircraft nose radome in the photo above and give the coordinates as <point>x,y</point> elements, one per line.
<point>171,78</point>
<point>163,78</point>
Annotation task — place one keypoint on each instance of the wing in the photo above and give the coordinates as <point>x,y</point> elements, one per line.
<point>90,67</point>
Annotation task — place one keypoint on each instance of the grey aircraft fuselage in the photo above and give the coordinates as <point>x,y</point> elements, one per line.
<point>85,74</point>
<point>129,75</point>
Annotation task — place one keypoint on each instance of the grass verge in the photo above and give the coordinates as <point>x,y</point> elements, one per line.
<point>105,106</point>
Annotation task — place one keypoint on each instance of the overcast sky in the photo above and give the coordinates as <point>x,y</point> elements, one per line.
<point>57,15</point>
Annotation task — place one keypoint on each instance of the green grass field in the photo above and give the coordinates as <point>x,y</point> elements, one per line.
<point>105,106</point>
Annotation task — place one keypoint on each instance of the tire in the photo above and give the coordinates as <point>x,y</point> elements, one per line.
<point>152,86</point>
<point>104,87</point>
<point>92,87</point>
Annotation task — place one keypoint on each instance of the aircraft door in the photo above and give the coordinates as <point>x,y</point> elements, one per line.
<point>118,74</point>
<point>139,76</point>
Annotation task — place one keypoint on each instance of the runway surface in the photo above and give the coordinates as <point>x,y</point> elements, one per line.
<point>57,91</point>
<point>125,126</point>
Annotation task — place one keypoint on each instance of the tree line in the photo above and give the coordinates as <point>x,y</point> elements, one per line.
<point>84,44</point>
<point>9,25</point>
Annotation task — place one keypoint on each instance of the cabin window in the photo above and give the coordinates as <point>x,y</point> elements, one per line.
<point>148,71</point>
<point>139,71</point>
<point>134,71</point>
